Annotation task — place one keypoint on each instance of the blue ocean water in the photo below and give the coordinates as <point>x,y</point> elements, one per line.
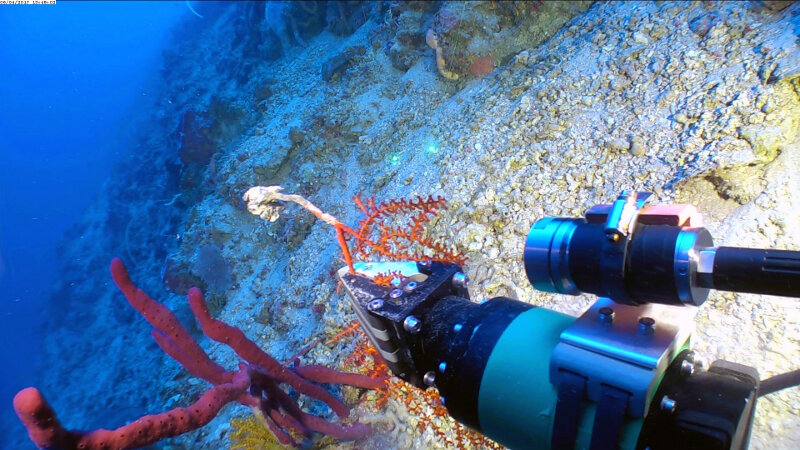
<point>74,78</point>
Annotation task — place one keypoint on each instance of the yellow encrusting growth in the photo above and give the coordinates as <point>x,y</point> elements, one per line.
<point>433,42</point>
<point>251,433</point>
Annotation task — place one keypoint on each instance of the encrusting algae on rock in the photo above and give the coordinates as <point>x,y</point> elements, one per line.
<point>433,42</point>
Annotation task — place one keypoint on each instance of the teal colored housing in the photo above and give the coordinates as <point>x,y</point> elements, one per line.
<point>517,402</point>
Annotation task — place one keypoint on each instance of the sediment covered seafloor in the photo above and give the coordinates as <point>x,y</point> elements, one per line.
<point>698,103</point>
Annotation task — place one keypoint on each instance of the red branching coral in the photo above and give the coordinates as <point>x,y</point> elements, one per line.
<point>385,279</point>
<point>425,405</point>
<point>396,229</point>
<point>256,384</point>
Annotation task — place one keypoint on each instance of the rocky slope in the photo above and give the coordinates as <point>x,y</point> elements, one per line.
<point>698,103</point>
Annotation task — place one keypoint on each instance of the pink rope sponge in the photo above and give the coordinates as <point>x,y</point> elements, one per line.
<point>256,383</point>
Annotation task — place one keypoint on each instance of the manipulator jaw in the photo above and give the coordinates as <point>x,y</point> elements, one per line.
<point>504,365</point>
<point>431,335</point>
<point>396,317</point>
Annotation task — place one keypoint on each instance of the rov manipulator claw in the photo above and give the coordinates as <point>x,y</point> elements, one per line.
<point>622,375</point>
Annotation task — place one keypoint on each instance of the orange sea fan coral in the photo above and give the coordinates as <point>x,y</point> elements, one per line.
<point>385,279</point>
<point>394,229</point>
<point>425,405</point>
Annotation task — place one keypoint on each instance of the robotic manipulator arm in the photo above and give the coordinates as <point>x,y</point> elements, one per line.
<point>622,375</point>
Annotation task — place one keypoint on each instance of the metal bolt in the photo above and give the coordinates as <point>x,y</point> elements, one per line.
<point>460,280</point>
<point>457,327</point>
<point>442,367</point>
<point>410,286</point>
<point>429,378</point>
<point>412,324</point>
<point>697,361</point>
<point>396,293</point>
<point>605,314</point>
<point>646,325</point>
<point>612,236</point>
<point>687,368</point>
<point>375,304</point>
<point>668,404</point>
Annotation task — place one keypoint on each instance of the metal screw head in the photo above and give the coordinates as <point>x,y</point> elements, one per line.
<point>668,404</point>
<point>412,324</point>
<point>697,361</point>
<point>410,286</point>
<point>460,280</point>
<point>375,304</point>
<point>429,378</point>
<point>687,368</point>
<point>605,314</point>
<point>611,236</point>
<point>646,325</point>
<point>700,363</point>
<point>396,293</point>
<point>442,367</point>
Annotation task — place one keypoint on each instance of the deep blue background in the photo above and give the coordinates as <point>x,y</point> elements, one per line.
<point>74,79</point>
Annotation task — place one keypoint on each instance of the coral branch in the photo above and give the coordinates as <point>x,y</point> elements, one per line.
<point>322,374</point>
<point>401,240</point>
<point>248,386</point>
<point>249,351</point>
<point>348,258</point>
<point>161,318</point>
<point>299,421</point>
<point>266,202</point>
<point>46,431</point>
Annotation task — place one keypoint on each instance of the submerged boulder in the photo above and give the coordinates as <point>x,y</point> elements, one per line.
<point>202,131</point>
<point>472,41</point>
<point>401,33</point>
<point>304,19</point>
<point>340,63</point>
<point>195,145</point>
<point>345,17</point>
